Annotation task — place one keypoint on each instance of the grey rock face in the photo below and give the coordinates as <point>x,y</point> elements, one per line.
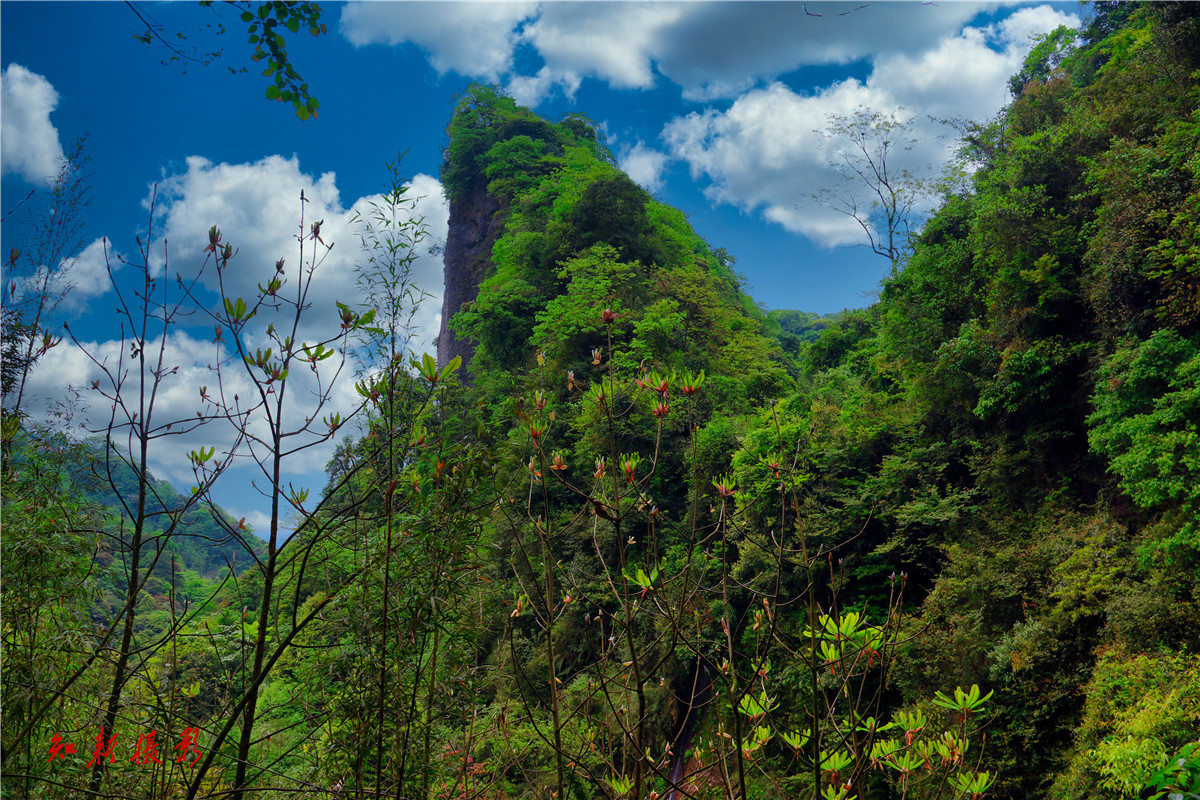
<point>473,230</point>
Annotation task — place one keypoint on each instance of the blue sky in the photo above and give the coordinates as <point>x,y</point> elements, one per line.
<point>711,106</point>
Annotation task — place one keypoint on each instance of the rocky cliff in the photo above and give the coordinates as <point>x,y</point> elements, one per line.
<point>467,258</point>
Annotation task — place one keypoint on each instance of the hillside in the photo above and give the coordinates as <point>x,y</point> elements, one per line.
<point>993,427</point>
<point>1013,424</point>
<point>568,230</point>
<point>199,542</point>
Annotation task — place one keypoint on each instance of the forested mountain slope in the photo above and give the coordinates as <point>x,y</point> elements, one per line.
<point>1013,424</point>
<point>201,544</point>
<point>1033,451</point>
<point>569,230</point>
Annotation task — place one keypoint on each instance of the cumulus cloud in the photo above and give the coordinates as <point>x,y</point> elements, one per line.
<point>257,207</point>
<point>472,38</point>
<point>611,41</point>
<point>100,373</point>
<point>88,272</point>
<point>718,50</point>
<point>30,146</point>
<point>74,281</point>
<point>1027,23</point>
<point>766,152</point>
<point>529,90</point>
<point>644,165</point>
<point>257,521</point>
<point>97,383</point>
<point>90,371</point>
<point>711,50</point>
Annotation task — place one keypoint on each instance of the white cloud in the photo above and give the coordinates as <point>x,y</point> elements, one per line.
<point>256,206</point>
<point>644,165</point>
<point>71,284</point>
<point>763,152</point>
<point>259,522</point>
<point>1026,23</point>
<point>257,209</point>
<point>722,49</point>
<point>80,378</point>
<point>475,39</point>
<point>186,363</point>
<point>611,41</point>
<point>529,90</point>
<point>28,141</point>
<point>87,273</point>
<point>89,371</point>
<point>712,50</point>
<point>93,368</point>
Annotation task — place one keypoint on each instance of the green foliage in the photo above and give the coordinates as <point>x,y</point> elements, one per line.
<point>390,236</point>
<point>1031,379</point>
<point>264,30</point>
<point>267,25</point>
<point>50,542</point>
<point>50,232</point>
<point>1147,405</point>
<point>840,339</point>
<point>1140,710</point>
<point>1047,54</point>
<point>1181,774</point>
<point>516,164</point>
<point>494,141</point>
<point>1037,353</point>
<point>612,210</point>
<point>879,194</point>
<point>581,233</point>
<point>982,428</point>
<point>198,529</point>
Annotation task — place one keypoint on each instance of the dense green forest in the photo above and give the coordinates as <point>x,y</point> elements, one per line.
<point>652,541</point>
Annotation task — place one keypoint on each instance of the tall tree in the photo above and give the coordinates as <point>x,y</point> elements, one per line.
<point>876,190</point>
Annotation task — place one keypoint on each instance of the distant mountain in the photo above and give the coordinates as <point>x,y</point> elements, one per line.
<point>201,541</point>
